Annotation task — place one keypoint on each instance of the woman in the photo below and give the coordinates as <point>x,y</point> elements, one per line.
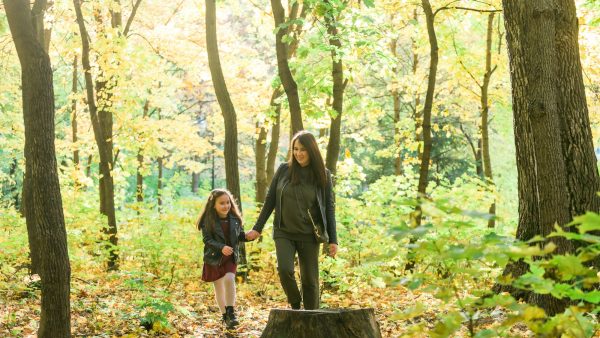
<point>301,193</point>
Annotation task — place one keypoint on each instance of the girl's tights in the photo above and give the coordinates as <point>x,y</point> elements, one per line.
<point>225,291</point>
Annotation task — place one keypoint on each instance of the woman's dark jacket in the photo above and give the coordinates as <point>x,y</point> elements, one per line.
<point>214,241</point>
<point>325,200</point>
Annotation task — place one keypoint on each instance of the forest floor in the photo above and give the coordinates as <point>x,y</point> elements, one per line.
<point>114,305</point>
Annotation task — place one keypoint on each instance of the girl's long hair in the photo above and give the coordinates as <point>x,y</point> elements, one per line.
<point>209,216</point>
<point>316,160</point>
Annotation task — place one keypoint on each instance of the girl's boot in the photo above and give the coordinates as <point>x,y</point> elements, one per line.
<point>230,318</point>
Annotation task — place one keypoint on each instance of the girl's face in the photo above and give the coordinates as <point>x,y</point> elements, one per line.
<point>301,154</point>
<point>223,205</point>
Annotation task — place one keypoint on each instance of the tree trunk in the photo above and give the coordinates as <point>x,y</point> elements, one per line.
<point>260,157</point>
<point>139,191</point>
<point>88,167</point>
<point>227,108</point>
<point>140,159</point>
<point>485,142</point>
<point>331,323</point>
<point>285,75</point>
<point>337,73</point>
<point>107,206</point>
<point>296,30</point>
<point>427,143</point>
<point>396,107</point>
<point>44,213</point>
<point>159,183</point>
<point>232,176</point>
<point>479,159</point>
<point>74,115</point>
<point>583,182</point>
<point>12,172</point>
<point>425,156</point>
<point>274,144</point>
<point>195,178</point>
<point>543,176</point>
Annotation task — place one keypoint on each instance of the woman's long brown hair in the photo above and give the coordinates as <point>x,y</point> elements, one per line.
<point>209,216</point>
<point>316,160</point>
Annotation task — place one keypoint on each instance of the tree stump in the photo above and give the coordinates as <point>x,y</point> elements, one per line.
<point>330,323</point>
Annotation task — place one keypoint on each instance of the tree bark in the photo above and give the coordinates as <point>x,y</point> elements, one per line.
<point>583,182</point>
<point>331,323</point>
<point>44,213</point>
<point>539,67</point>
<point>337,74</point>
<point>285,74</point>
<point>103,142</point>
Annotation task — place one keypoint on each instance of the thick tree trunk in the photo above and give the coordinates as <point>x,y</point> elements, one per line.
<point>544,180</point>
<point>44,213</point>
<point>576,135</point>
<point>337,73</point>
<point>331,323</point>
<point>285,75</point>
<point>232,176</point>
<point>107,206</point>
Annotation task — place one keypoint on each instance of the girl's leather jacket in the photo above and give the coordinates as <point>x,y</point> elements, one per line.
<point>215,241</point>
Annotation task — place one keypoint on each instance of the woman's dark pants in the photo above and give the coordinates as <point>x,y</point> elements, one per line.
<point>308,257</point>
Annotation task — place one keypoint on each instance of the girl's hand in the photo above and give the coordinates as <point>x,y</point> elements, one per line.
<point>227,250</point>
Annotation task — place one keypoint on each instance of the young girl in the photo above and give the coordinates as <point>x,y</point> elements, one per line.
<point>221,226</point>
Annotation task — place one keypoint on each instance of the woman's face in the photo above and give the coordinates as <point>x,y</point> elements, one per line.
<point>301,154</point>
<point>223,205</point>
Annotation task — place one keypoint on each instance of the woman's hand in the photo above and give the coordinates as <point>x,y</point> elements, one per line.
<point>227,250</point>
<point>252,235</point>
<point>333,248</point>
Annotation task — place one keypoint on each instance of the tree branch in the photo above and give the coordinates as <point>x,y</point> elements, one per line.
<point>131,16</point>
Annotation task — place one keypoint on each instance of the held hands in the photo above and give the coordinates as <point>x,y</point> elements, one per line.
<point>333,248</point>
<point>227,250</point>
<point>252,235</point>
